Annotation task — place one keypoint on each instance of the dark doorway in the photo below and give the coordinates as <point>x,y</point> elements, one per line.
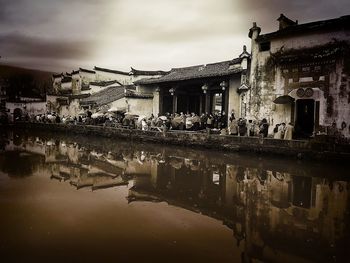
<point>194,104</point>
<point>167,104</point>
<point>182,103</point>
<point>305,118</point>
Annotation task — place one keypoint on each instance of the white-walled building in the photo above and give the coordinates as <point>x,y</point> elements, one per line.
<point>300,74</point>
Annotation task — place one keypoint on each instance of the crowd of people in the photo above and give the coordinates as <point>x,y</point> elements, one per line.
<point>217,122</point>
<point>283,131</point>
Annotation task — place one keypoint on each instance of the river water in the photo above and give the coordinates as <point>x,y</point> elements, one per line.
<point>85,199</point>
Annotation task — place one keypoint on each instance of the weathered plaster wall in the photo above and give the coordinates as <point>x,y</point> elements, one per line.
<point>308,40</point>
<point>234,97</point>
<point>140,106</point>
<point>71,110</point>
<point>106,76</point>
<point>156,103</point>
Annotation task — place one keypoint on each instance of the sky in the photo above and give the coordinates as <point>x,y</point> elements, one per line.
<point>62,35</point>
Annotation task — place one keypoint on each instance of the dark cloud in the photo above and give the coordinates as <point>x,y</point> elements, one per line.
<point>265,12</point>
<point>152,33</point>
<point>14,45</point>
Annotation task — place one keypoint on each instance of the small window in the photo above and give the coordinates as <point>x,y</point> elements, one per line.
<point>265,46</point>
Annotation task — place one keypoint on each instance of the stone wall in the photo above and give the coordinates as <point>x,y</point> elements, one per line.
<point>312,149</point>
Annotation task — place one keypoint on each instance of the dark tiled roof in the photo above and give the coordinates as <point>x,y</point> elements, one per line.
<point>87,70</point>
<point>111,71</point>
<point>137,72</point>
<point>134,94</point>
<point>105,96</point>
<point>196,72</point>
<point>340,23</point>
<point>79,96</point>
<point>105,83</point>
<point>75,72</point>
<point>57,75</point>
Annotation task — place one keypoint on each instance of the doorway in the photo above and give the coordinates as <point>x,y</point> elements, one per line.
<point>305,118</point>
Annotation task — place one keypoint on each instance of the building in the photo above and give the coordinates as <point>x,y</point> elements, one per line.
<point>300,74</point>
<point>119,98</point>
<point>216,87</point>
<point>100,89</point>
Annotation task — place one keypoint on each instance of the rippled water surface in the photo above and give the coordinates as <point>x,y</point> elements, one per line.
<point>82,199</point>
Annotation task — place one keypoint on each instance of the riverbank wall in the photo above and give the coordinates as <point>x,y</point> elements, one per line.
<point>328,149</point>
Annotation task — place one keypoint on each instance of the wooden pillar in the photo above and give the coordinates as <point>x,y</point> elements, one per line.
<point>161,96</point>
<point>207,102</point>
<point>174,103</point>
<point>226,94</point>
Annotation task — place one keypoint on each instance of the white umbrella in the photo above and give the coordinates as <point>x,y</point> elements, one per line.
<point>96,115</point>
<point>116,109</point>
<point>163,118</point>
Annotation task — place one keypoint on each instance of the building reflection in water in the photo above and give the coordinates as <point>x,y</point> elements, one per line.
<point>274,215</point>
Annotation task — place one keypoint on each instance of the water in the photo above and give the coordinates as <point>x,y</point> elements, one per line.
<point>82,199</point>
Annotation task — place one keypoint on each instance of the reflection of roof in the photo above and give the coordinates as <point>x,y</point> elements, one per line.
<point>105,96</point>
<point>137,72</point>
<point>195,72</point>
<point>340,23</point>
<point>111,71</point>
<point>105,83</point>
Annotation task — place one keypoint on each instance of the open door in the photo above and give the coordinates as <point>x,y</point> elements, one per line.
<point>305,118</point>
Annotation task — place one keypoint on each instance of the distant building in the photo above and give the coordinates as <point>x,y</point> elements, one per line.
<point>99,89</point>
<point>300,74</point>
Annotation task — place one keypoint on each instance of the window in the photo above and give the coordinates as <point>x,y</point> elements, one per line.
<point>265,46</point>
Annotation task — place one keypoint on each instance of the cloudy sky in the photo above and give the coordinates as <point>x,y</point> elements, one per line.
<point>61,35</point>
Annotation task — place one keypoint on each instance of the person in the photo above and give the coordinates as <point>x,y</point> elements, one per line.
<point>223,120</point>
<point>58,120</point>
<point>233,127</point>
<point>250,128</point>
<point>282,129</point>
<point>203,119</point>
<point>264,128</point>
<point>144,125</point>
<point>288,135</point>
<point>210,121</point>
<point>242,127</point>
<point>277,132</point>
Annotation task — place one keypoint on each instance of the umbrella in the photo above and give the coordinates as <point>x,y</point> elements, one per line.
<point>176,122</point>
<point>163,118</point>
<point>96,115</point>
<point>130,116</point>
<point>82,113</point>
<point>285,99</point>
<point>116,109</point>
<point>109,114</point>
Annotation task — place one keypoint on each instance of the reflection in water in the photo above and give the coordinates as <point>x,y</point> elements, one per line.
<point>276,212</point>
